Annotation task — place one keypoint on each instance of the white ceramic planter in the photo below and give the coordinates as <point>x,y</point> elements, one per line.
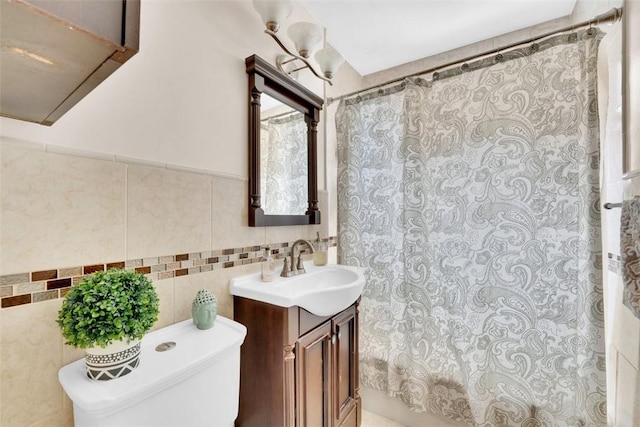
<point>115,360</point>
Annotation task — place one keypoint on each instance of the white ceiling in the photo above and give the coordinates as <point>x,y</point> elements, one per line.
<point>374,35</point>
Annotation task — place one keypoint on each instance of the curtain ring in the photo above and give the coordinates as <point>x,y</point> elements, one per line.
<point>590,31</point>
<point>464,67</point>
<point>436,75</point>
<point>499,57</point>
<point>535,47</point>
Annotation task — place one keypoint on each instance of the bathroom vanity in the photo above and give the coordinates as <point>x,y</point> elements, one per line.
<point>298,369</point>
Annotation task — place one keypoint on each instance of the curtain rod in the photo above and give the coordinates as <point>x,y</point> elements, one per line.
<point>613,15</point>
<point>275,116</point>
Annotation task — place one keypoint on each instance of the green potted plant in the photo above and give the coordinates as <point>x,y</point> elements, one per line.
<point>107,314</point>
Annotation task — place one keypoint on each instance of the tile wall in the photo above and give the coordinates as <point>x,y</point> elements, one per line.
<point>63,216</point>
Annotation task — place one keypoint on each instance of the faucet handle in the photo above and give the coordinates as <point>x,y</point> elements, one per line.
<point>300,266</point>
<point>285,269</point>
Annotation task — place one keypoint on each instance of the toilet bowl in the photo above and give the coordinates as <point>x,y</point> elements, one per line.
<point>194,383</point>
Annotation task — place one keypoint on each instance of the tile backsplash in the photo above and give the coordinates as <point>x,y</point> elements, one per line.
<point>37,286</point>
<point>64,216</point>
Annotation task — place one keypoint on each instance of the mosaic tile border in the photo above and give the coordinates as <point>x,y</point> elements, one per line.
<point>37,286</point>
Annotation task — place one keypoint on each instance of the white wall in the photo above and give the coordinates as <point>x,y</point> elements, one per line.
<point>182,100</point>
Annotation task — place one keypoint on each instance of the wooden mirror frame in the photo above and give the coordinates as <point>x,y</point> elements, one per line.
<point>264,78</point>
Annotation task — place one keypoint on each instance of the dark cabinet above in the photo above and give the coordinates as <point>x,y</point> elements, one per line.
<point>54,52</point>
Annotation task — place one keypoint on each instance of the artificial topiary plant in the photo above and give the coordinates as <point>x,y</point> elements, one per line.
<point>108,306</point>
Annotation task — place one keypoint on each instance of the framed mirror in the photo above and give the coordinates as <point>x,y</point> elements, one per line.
<point>283,123</point>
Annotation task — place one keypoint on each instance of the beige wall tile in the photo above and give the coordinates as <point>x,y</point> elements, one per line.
<point>58,211</point>
<point>288,233</point>
<point>168,212</point>
<point>164,288</point>
<point>67,405</point>
<point>185,290</point>
<point>230,227</point>
<point>62,418</point>
<point>71,354</point>
<point>216,281</point>
<point>225,304</point>
<point>30,356</point>
<point>292,233</point>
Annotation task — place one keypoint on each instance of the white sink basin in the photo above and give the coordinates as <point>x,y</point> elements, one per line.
<point>324,291</point>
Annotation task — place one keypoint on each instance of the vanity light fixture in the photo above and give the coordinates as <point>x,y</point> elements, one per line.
<point>304,35</point>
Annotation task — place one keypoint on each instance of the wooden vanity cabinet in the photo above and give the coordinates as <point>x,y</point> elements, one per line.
<point>298,369</point>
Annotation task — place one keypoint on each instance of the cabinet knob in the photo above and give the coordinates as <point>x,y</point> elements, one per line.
<point>333,339</point>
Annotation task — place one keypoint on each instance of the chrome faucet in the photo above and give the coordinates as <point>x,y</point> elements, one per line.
<point>293,269</point>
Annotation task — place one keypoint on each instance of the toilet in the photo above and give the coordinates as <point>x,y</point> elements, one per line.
<point>194,383</point>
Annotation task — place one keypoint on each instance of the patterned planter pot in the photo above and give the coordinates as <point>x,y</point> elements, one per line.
<point>116,360</point>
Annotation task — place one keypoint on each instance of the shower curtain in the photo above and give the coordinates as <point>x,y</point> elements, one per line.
<point>472,200</point>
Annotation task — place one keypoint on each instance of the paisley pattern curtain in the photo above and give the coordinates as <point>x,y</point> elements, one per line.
<point>284,137</point>
<point>472,200</point>
<point>630,254</point>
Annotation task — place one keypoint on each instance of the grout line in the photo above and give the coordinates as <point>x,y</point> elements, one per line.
<point>211,202</point>
<point>126,212</point>
<point>114,158</point>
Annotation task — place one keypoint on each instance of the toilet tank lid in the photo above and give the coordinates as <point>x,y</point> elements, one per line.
<point>157,371</point>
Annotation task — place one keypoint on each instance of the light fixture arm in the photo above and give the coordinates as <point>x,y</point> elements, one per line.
<point>299,57</point>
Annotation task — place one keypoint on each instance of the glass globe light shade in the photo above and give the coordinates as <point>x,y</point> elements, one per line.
<point>273,12</point>
<point>306,36</point>
<point>329,61</point>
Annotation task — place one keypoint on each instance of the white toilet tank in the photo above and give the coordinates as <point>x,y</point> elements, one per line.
<point>196,383</point>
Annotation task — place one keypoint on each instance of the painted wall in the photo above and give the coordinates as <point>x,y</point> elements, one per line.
<point>182,99</point>
<point>148,171</point>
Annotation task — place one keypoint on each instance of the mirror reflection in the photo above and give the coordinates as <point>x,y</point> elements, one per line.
<point>283,158</point>
<point>283,140</point>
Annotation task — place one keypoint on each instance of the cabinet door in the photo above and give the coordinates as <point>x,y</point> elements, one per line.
<point>345,368</point>
<point>313,361</point>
